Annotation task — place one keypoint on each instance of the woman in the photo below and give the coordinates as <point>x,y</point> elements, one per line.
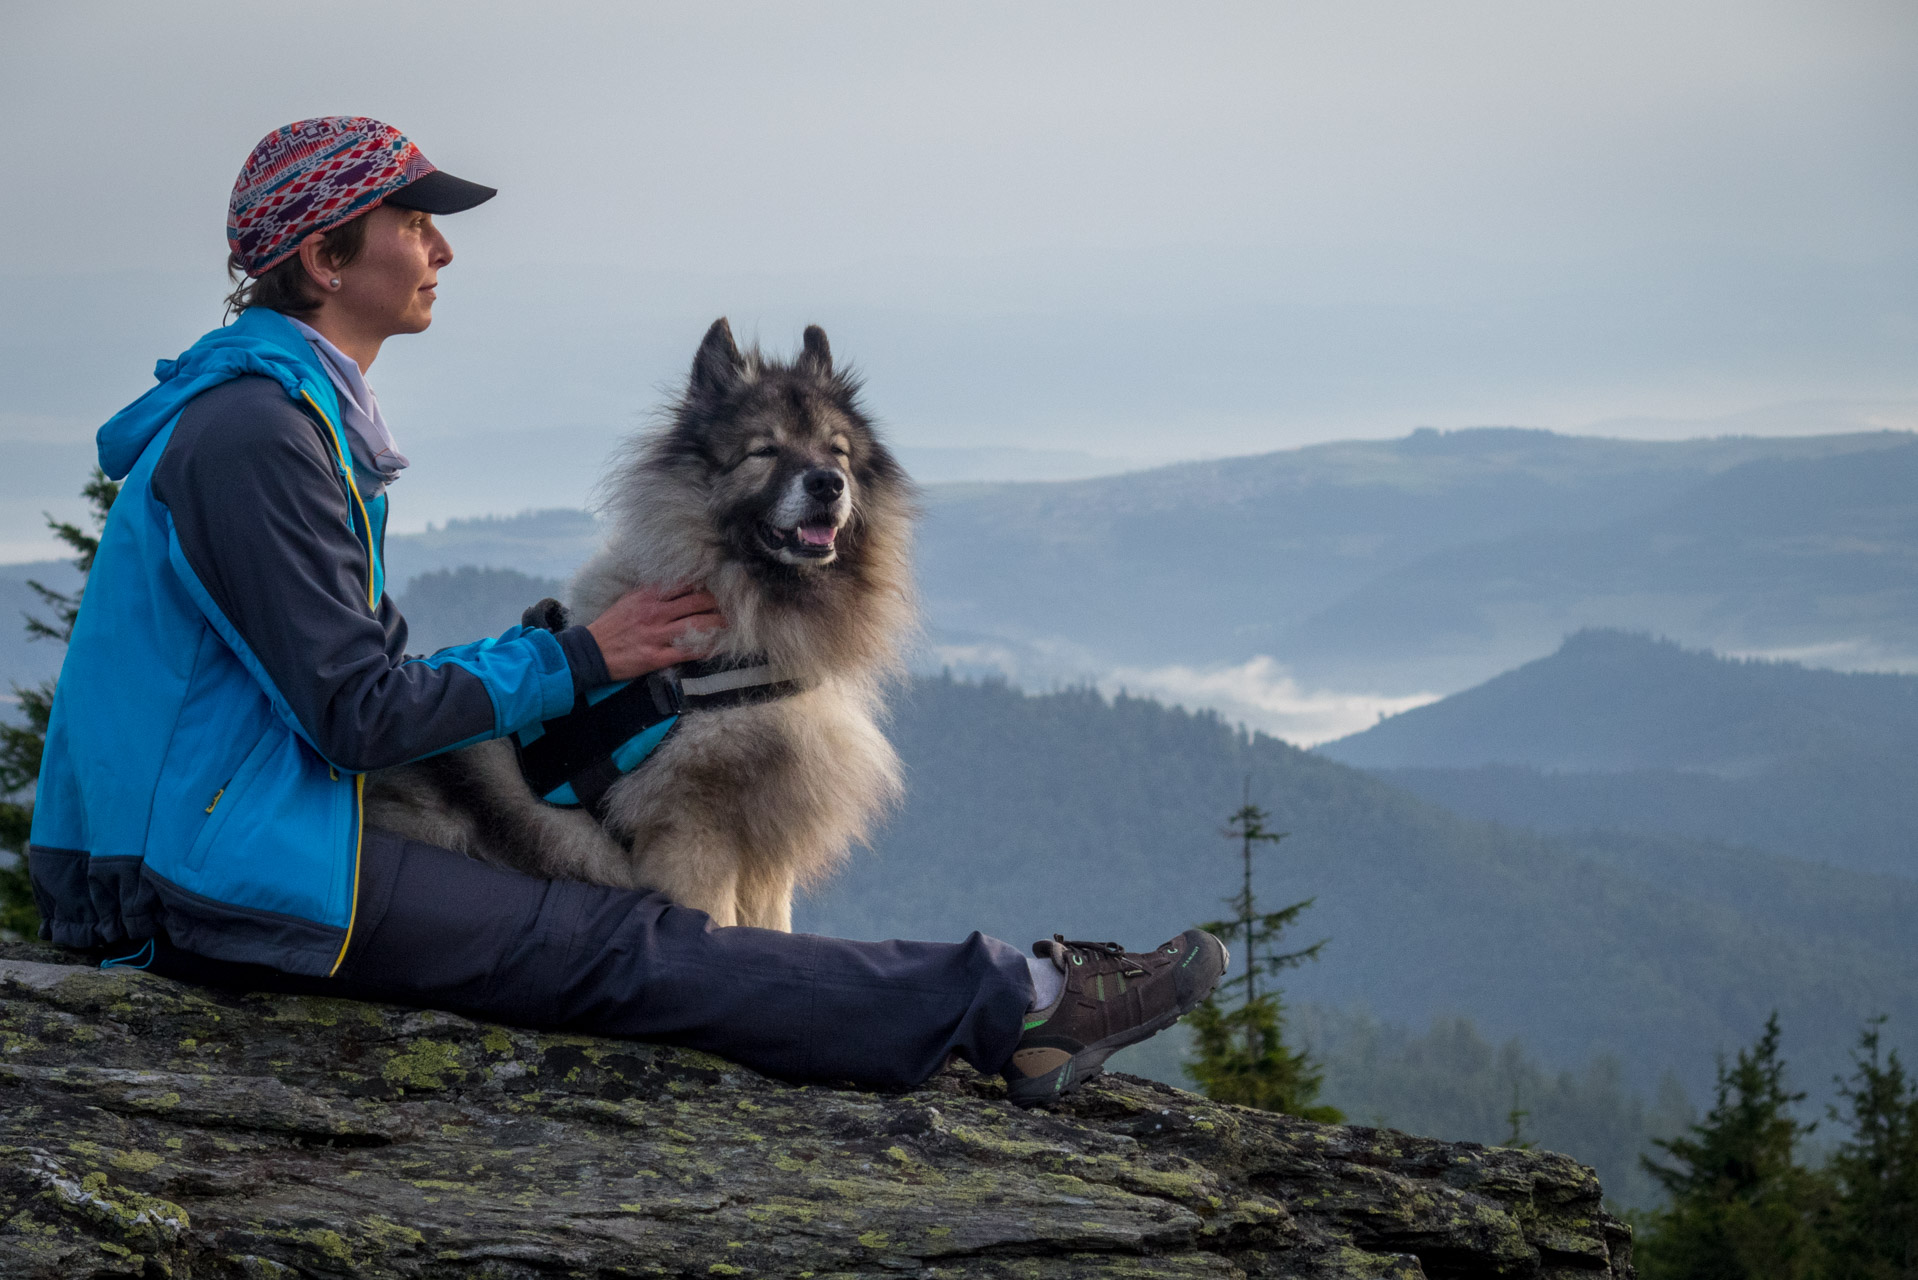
<point>237,668</point>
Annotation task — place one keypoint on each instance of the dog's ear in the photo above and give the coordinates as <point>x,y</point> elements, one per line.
<point>816,358</point>
<point>718,368</point>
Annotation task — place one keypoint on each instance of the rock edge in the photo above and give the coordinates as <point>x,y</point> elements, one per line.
<point>153,1129</point>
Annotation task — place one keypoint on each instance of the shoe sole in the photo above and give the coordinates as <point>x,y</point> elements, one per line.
<point>1090,1062</point>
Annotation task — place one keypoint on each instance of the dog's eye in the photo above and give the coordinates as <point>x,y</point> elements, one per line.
<point>842,451</point>
<point>765,451</point>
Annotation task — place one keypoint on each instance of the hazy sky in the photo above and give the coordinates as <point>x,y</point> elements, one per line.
<point>1143,231</point>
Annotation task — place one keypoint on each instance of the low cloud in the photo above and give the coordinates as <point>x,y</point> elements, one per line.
<point>1262,695</point>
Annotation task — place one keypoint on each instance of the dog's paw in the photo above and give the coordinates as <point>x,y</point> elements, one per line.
<point>548,615</point>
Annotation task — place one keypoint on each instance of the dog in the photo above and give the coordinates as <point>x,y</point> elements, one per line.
<point>767,484</point>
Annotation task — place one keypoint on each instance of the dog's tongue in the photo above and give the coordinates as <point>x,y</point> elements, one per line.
<point>816,535</point>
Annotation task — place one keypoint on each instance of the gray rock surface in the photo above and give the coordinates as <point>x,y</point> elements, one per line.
<point>152,1129</point>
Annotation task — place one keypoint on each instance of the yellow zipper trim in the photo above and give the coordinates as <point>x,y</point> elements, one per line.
<point>359,834</point>
<point>346,467</point>
<point>359,779</point>
<point>216,799</point>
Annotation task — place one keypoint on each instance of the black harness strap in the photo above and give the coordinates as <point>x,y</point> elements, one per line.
<point>592,784</point>
<point>581,738</point>
<point>579,747</point>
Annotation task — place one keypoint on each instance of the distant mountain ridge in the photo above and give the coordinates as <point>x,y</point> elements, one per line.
<point>1219,561</point>
<point>1394,568</point>
<point>544,544</point>
<point>1775,554</point>
<point>1625,732</point>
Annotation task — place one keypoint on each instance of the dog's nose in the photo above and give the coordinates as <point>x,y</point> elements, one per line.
<point>824,484</point>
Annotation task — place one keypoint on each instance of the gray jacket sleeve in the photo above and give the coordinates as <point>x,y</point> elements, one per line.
<point>262,518</point>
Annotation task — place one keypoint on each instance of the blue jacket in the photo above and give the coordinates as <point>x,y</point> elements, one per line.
<point>236,668</point>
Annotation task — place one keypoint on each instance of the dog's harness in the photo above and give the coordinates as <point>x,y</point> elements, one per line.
<point>574,761</point>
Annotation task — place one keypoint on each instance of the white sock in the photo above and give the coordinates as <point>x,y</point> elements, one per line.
<point>1047,982</point>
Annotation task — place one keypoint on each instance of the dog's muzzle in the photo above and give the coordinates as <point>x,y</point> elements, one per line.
<point>805,525</point>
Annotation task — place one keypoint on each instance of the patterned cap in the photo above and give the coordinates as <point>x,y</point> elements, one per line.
<point>312,176</point>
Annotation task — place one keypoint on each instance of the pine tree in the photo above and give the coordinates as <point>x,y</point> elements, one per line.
<point>1874,1223</point>
<point>1741,1207</point>
<point>22,744</point>
<point>1516,1118</point>
<point>1242,1056</point>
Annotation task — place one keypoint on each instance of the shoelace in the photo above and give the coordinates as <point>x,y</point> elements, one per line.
<point>1113,950</point>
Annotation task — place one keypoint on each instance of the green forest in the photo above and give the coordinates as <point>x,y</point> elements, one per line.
<point>1743,1202</point>
<point>1659,951</point>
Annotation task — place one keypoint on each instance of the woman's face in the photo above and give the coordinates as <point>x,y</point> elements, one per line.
<point>389,288</point>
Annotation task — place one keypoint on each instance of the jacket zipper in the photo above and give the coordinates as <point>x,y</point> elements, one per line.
<point>373,607</point>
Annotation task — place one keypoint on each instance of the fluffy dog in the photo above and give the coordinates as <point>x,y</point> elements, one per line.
<point>765,483</point>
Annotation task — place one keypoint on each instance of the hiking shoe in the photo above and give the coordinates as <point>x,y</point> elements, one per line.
<point>1111,998</point>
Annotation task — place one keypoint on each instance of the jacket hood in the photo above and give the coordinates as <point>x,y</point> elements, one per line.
<point>260,342</point>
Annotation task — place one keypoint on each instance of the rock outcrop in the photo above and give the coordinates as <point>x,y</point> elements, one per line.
<point>152,1129</point>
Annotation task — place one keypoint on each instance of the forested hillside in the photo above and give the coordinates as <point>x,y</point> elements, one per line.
<point>1069,813</point>
<point>1624,732</point>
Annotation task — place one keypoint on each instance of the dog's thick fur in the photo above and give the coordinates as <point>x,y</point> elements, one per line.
<point>740,805</point>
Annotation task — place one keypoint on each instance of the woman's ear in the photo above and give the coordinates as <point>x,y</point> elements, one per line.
<point>319,266</point>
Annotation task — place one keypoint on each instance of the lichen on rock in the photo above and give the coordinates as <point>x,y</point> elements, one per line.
<point>153,1129</point>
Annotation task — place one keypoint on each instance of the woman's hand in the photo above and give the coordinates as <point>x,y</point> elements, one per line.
<point>654,627</point>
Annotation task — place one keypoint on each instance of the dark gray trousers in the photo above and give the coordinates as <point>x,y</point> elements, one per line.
<point>437,929</point>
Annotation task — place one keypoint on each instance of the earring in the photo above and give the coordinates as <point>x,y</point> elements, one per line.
<point>334,283</point>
